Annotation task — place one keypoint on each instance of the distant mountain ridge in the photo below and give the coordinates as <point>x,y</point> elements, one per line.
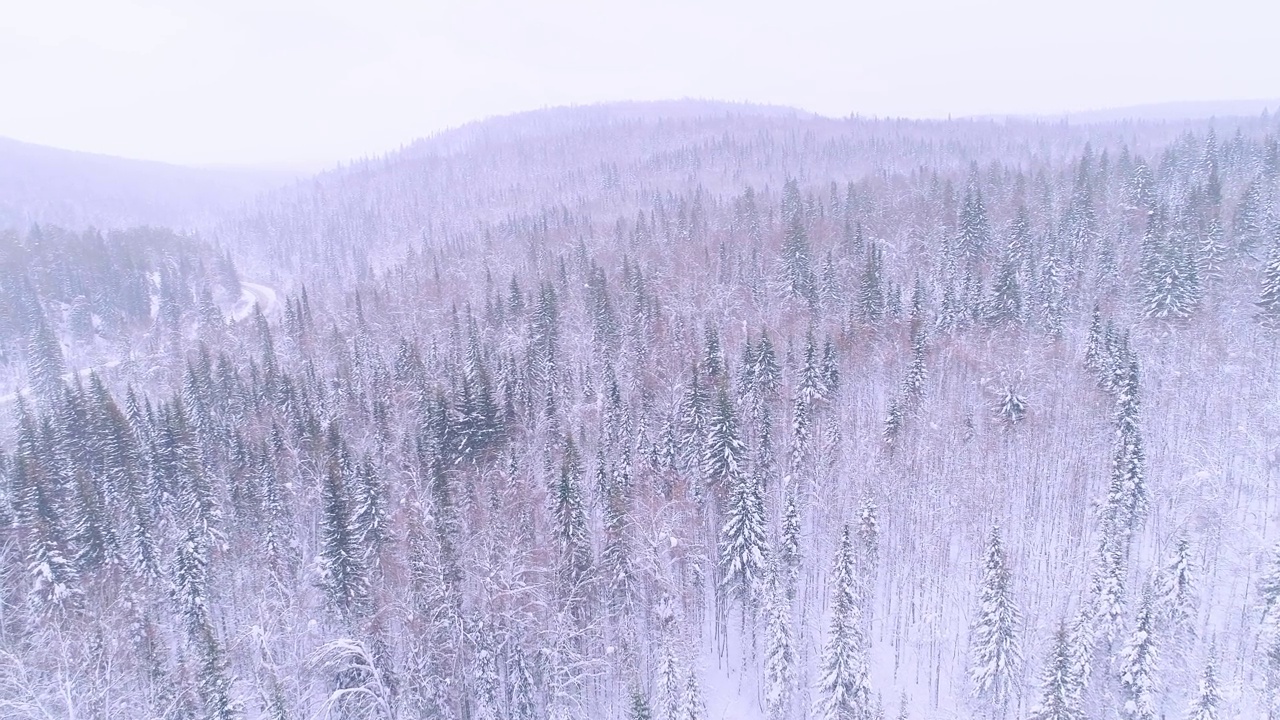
<point>40,184</point>
<point>563,118</point>
<point>1160,112</point>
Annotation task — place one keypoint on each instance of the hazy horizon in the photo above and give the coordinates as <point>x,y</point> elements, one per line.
<point>293,85</point>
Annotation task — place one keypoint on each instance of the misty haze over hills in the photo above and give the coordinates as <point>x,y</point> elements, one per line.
<point>47,185</point>
<point>657,411</point>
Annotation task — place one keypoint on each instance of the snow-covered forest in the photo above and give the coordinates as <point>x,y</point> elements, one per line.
<point>662,412</point>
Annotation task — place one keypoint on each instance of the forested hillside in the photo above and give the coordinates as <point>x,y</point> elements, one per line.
<point>631,412</point>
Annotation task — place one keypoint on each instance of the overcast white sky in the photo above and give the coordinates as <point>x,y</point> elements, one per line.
<point>315,81</point>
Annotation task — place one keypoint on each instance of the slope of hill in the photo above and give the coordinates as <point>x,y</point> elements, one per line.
<point>601,412</point>
<point>76,190</point>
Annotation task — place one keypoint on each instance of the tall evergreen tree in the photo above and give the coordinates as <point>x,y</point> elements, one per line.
<point>797,263</point>
<point>342,559</point>
<point>691,705</point>
<point>844,686</point>
<point>724,455</point>
<point>1058,690</point>
<point>1139,691</point>
<point>995,637</point>
<point>780,651</point>
<point>743,544</point>
<point>1269,298</point>
<point>1206,704</point>
<point>572,532</point>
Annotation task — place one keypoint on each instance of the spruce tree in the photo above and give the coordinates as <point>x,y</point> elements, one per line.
<point>743,544</point>
<point>616,556</point>
<point>871,291</point>
<point>844,687</point>
<point>789,542</point>
<point>780,652</point>
<point>691,705</point>
<point>868,548</point>
<point>572,533</point>
<point>1012,407</point>
<point>974,232</point>
<point>639,709</point>
<point>1139,690</point>
<point>342,559</point>
<point>724,455</point>
<point>668,682</point>
<point>995,642</point>
<point>1177,591</point>
<point>1005,306</point>
<point>45,364</point>
<point>797,264</point>
<point>1208,699</point>
<point>1127,500</point>
<point>1269,298</point>
<point>1059,699</point>
<point>694,416</point>
<point>1094,343</point>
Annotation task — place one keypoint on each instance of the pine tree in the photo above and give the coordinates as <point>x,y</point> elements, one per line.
<point>668,683</point>
<point>844,687</point>
<point>1139,690</point>
<point>780,652</point>
<point>797,265</point>
<point>341,560</point>
<point>691,706</point>
<point>1094,343</point>
<point>1059,699</point>
<point>572,532</point>
<point>45,365</point>
<point>1177,591</point>
<point>523,702</point>
<point>743,544</point>
<point>789,551</point>
<point>975,233</point>
<point>868,543</point>
<point>871,292</point>
<point>639,709</point>
<point>1127,493</point>
<point>1012,407</point>
<point>994,638</point>
<point>724,454</point>
<point>1269,298</point>
<point>694,411</point>
<point>1205,705</point>
<point>913,386</point>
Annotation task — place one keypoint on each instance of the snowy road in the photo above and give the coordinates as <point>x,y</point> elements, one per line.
<point>253,294</point>
<point>250,294</point>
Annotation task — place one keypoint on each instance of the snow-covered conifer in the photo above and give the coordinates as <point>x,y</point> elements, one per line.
<point>995,638</point>
<point>844,685</point>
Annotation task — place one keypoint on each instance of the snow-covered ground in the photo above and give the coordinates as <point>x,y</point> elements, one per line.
<point>251,294</point>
